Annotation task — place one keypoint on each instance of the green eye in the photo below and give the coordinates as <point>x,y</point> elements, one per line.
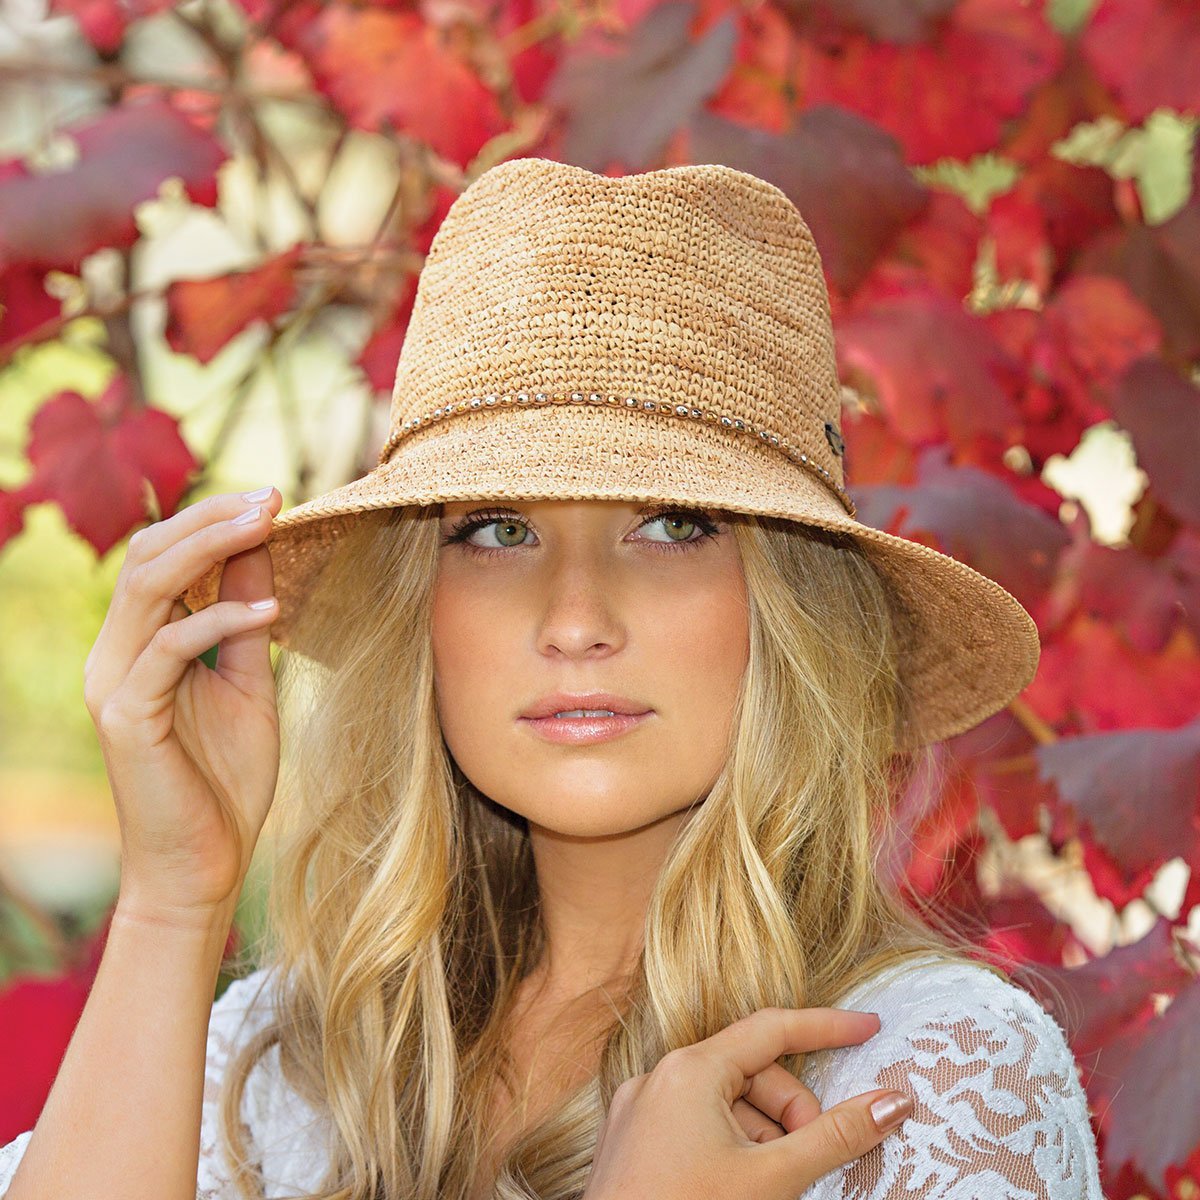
<point>675,521</point>
<point>504,529</point>
<point>680,524</point>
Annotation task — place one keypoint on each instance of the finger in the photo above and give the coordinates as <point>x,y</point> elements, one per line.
<point>741,1050</point>
<point>782,1098</point>
<point>757,1126</point>
<point>161,535</point>
<point>159,667</point>
<point>838,1136</point>
<point>160,561</point>
<point>244,656</point>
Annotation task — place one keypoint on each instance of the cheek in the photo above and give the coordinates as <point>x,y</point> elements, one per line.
<point>466,653</point>
<point>707,648</point>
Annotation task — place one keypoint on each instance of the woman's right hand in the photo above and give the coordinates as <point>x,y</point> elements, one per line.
<point>674,1133</point>
<point>192,753</point>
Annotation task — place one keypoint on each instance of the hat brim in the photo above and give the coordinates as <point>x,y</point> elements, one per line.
<point>967,646</point>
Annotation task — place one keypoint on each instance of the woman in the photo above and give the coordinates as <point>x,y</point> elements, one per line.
<point>597,695</point>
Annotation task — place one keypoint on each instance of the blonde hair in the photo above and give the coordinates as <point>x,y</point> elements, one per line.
<point>403,907</point>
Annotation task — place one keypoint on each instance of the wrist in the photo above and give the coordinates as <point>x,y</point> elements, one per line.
<point>201,920</point>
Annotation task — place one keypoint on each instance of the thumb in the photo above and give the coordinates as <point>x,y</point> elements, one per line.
<point>244,657</point>
<point>837,1137</point>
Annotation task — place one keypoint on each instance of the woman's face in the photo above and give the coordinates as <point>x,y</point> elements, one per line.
<point>643,601</point>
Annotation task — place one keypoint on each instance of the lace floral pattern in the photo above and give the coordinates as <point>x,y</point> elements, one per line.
<point>1000,1113</point>
<point>242,1010</point>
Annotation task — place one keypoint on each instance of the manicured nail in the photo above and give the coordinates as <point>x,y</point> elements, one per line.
<point>889,1111</point>
<point>251,514</point>
<point>269,602</point>
<point>261,494</point>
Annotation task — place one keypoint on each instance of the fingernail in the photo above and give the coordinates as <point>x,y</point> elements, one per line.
<point>261,494</point>
<point>889,1111</point>
<point>251,514</point>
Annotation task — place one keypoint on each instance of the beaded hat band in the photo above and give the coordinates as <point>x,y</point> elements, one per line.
<point>657,336</point>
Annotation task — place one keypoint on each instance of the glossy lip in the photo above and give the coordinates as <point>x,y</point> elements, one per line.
<point>584,730</point>
<point>547,706</point>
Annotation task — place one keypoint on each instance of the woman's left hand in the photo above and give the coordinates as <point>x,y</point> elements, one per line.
<point>799,1105</point>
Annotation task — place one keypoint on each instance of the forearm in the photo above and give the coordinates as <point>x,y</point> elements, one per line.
<point>123,1116</point>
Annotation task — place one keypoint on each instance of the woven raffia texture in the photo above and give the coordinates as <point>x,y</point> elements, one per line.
<point>664,335</point>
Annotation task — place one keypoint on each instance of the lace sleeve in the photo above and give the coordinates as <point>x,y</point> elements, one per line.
<point>238,1013</point>
<point>242,1010</point>
<point>10,1156</point>
<point>999,1111</point>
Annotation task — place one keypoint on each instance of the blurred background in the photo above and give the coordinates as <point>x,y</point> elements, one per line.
<point>212,217</point>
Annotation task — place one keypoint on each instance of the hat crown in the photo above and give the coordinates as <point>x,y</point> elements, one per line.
<point>692,291</point>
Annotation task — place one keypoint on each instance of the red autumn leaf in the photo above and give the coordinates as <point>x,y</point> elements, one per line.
<point>38,1015</point>
<point>1161,265</point>
<point>755,92</point>
<point>534,62</point>
<point>204,314</point>
<point>381,354</point>
<point>1162,70</point>
<point>1021,930</point>
<point>623,104</point>
<point>1074,205</point>
<point>931,843</point>
<point>378,358</point>
<point>1161,412</point>
<point>999,754</point>
<point>884,20</point>
<point>1100,327</point>
<point>877,456</point>
<point>950,97</point>
<point>93,459</point>
<point>386,69</point>
<point>1075,350</point>
<point>935,372</point>
<point>1147,597</point>
<point>1024,254</point>
<point>920,841</point>
<point>12,515</point>
<point>1134,791</point>
<point>1074,202</point>
<point>57,218</point>
<point>1143,1091</point>
<point>104,23</point>
<point>283,22</point>
<point>1110,879</point>
<point>936,248</point>
<point>974,517</point>
<point>843,174</point>
<point>958,895</point>
<point>26,305</point>
<point>1107,997</point>
<point>1092,680</point>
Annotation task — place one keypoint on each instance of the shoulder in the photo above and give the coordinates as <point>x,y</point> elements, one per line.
<point>244,1008</point>
<point>988,1068</point>
<point>291,1139</point>
<point>249,1000</point>
<point>923,988</point>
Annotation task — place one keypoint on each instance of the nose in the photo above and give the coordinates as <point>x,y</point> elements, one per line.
<point>580,609</point>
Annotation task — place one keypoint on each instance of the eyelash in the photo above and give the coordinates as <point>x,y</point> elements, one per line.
<point>468,525</point>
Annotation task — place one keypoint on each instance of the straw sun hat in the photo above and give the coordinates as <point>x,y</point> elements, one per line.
<point>658,336</point>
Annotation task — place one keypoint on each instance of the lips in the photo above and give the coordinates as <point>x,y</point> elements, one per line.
<point>584,731</point>
<point>558,702</point>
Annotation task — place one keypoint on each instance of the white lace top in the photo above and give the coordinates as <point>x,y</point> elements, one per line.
<point>999,1113</point>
